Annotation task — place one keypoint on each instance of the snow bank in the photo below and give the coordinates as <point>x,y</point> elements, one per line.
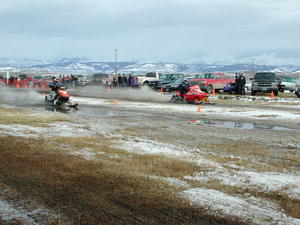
<point>252,209</point>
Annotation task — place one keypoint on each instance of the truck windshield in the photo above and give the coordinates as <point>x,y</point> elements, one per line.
<point>204,76</point>
<point>264,76</point>
<point>150,75</point>
<point>288,79</point>
<point>170,76</point>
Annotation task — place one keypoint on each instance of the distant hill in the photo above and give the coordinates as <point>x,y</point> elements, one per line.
<point>82,66</point>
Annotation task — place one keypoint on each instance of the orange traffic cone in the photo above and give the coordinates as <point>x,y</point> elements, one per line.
<point>272,95</point>
<point>43,86</point>
<point>36,86</point>
<point>213,92</point>
<point>199,108</point>
<point>115,102</point>
<point>161,90</point>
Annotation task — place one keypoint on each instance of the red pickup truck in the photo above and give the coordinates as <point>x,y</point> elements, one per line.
<point>209,81</point>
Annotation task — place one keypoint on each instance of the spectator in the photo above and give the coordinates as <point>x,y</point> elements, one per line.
<point>124,80</point>
<point>129,80</point>
<point>119,80</point>
<point>236,77</point>
<point>241,81</point>
<point>30,82</point>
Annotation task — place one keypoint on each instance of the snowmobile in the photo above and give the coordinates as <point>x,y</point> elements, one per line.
<point>193,95</point>
<point>63,98</point>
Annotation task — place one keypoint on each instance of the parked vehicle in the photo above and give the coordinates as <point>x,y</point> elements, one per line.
<point>83,80</point>
<point>174,86</point>
<point>165,79</point>
<point>248,85</point>
<point>99,78</point>
<point>266,82</point>
<point>288,83</point>
<point>144,80</point>
<point>229,88</point>
<point>297,91</point>
<point>194,95</point>
<point>209,81</point>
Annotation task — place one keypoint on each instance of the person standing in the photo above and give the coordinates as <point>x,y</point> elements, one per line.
<point>119,81</point>
<point>241,81</point>
<point>129,80</point>
<point>236,77</point>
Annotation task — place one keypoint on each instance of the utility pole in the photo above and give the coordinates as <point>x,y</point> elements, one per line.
<point>116,67</point>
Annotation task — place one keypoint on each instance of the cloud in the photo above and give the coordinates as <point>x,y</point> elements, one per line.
<point>167,30</point>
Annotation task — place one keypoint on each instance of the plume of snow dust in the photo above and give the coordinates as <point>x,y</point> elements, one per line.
<point>137,94</point>
<point>19,96</point>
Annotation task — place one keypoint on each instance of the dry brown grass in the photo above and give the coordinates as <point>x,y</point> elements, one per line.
<point>273,116</point>
<point>94,191</point>
<point>141,164</point>
<point>288,205</point>
<point>258,157</point>
<point>18,116</point>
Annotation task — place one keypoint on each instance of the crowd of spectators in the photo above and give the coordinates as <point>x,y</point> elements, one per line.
<point>69,81</point>
<point>121,81</point>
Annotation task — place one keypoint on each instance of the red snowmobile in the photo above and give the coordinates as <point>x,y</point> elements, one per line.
<point>193,95</point>
<point>62,99</point>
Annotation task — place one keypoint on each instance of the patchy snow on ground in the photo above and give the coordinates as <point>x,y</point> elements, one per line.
<point>246,98</point>
<point>258,211</point>
<point>144,146</point>
<point>61,129</point>
<point>172,181</point>
<point>258,114</point>
<point>288,184</point>
<point>86,153</point>
<point>9,213</point>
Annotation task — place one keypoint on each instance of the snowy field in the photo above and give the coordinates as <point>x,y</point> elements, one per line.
<point>247,185</point>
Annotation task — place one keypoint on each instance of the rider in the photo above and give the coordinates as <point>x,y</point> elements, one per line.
<point>184,87</point>
<point>55,85</point>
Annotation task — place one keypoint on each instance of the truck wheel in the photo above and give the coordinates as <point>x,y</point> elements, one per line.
<point>253,92</point>
<point>209,89</point>
<point>146,83</point>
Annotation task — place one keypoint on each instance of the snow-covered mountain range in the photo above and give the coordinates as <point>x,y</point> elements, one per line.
<point>79,65</point>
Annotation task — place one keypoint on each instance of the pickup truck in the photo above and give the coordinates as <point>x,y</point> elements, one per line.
<point>144,80</point>
<point>288,83</point>
<point>297,91</point>
<point>266,82</point>
<point>165,79</point>
<point>209,81</point>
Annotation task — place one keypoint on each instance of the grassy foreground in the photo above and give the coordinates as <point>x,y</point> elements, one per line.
<point>96,191</point>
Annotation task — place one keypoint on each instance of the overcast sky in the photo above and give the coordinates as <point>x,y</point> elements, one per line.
<point>186,31</point>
